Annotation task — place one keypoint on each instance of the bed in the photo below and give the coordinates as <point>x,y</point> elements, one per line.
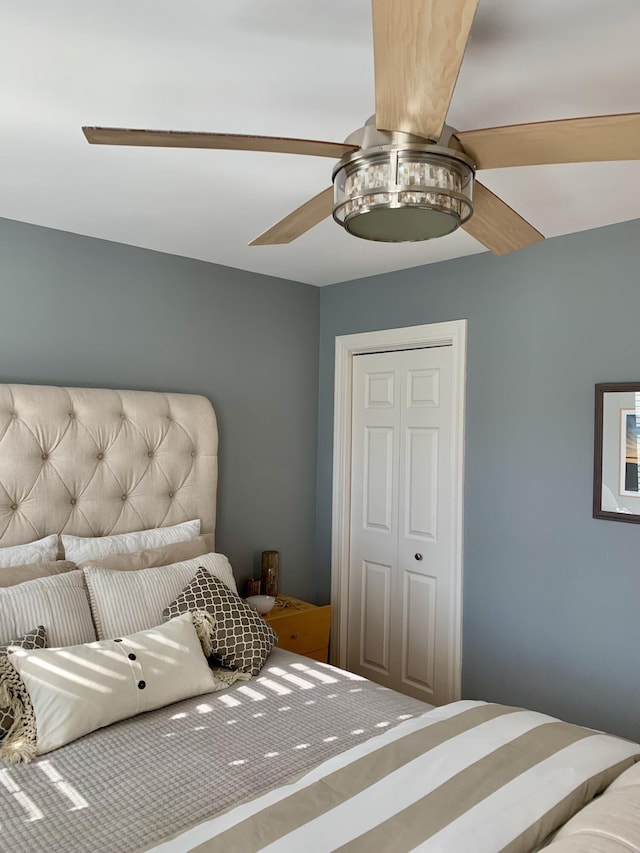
<point>301,756</point>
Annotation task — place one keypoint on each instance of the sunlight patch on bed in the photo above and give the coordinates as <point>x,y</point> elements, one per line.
<point>77,800</point>
<point>204,708</point>
<point>329,739</point>
<point>229,701</point>
<point>33,812</point>
<point>8,782</point>
<point>29,806</point>
<point>313,673</point>
<point>251,693</point>
<point>299,682</point>
<point>271,754</point>
<point>351,676</point>
<point>280,689</point>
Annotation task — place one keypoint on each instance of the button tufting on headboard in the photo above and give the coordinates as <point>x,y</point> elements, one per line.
<point>99,478</point>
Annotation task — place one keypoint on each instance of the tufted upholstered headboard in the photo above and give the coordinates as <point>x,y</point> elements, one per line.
<point>91,461</point>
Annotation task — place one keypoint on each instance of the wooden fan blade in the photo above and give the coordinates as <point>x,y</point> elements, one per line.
<point>297,223</point>
<point>572,140</point>
<point>418,47</point>
<point>227,141</point>
<point>496,225</point>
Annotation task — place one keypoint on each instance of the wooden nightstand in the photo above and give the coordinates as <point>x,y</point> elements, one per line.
<point>301,627</point>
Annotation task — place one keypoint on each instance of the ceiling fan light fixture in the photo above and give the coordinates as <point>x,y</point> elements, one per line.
<point>403,193</point>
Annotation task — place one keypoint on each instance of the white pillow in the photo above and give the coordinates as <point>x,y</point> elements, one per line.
<point>124,602</point>
<point>42,551</point>
<point>83,548</point>
<point>59,603</point>
<point>77,690</point>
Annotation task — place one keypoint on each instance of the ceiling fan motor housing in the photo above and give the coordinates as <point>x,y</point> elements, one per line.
<point>403,192</point>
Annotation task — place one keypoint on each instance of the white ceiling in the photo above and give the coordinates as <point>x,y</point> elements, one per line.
<point>292,68</point>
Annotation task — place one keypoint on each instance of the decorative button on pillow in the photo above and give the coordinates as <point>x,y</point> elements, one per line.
<point>35,639</point>
<point>76,690</point>
<point>240,638</point>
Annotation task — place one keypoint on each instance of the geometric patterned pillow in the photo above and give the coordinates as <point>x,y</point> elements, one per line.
<point>34,639</point>
<point>240,638</point>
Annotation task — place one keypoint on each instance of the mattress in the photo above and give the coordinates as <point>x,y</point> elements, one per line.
<point>129,786</point>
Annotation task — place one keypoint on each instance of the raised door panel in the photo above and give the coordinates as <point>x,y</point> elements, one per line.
<point>421,483</point>
<point>423,387</point>
<point>419,633</point>
<point>374,617</point>
<point>378,479</point>
<point>379,390</point>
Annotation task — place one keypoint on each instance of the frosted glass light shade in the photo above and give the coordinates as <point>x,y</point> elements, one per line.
<point>402,195</point>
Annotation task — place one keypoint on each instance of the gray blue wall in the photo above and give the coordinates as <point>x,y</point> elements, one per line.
<point>78,311</point>
<point>551,596</point>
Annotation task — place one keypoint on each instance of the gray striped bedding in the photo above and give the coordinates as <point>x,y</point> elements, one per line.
<point>469,776</point>
<point>371,770</point>
<point>127,787</point>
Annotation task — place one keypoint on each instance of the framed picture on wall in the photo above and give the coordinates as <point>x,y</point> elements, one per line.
<point>616,476</point>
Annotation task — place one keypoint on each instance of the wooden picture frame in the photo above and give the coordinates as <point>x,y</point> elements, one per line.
<point>616,473</point>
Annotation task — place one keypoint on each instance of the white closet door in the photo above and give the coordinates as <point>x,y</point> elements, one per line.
<point>399,612</point>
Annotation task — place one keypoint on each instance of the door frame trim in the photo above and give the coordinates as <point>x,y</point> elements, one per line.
<point>454,334</point>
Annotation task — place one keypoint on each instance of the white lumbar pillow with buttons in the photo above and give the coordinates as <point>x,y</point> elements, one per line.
<point>80,549</point>
<point>78,689</point>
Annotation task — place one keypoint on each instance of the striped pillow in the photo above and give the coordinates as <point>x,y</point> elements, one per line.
<point>127,602</point>
<point>60,603</point>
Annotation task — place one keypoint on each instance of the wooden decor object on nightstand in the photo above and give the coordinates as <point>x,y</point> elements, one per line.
<point>301,627</point>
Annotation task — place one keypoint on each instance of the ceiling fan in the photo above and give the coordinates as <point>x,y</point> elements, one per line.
<point>406,175</point>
